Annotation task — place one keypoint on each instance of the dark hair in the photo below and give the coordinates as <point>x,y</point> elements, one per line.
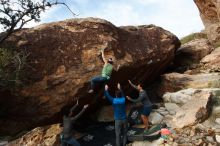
<point>140,84</point>
<point>118,93</point>
<point>110,60</point>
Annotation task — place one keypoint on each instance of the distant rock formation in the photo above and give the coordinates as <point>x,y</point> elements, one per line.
<point>210,12</point>
<point>65,55</point>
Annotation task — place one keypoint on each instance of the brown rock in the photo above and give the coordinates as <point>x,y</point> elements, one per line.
<point>44,136</point>
<point>192,52</point>
<point>209,13</point>
<point>65,55</point>
<point>212,61</point>
<point>173,82</point>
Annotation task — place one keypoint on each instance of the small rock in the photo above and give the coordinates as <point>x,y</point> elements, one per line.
<point>155,118</point>
<point>193,139</point>
<point>198,142</point>
<point>192,133</point>
<point>198,137</point>
<point>186,144</point>
<point>164,113</point>
<point>172,113</point>
<point>217,121</point>
<point>2,143</point>
<point>187,140</point>
<point>181,141</point>
<point>162,108</point>
<point>217,137</point>
<point>210,144</point>
<point>187,132</point>
<point>210,139</point>
<point>217,130</point>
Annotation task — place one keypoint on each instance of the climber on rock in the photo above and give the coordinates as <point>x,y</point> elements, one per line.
<point>106,72</point>
<point>68,121</point>
<point>146,104</point>
<point>120,117</point>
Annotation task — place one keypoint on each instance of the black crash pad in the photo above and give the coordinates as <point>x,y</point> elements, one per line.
<point>139,134</point>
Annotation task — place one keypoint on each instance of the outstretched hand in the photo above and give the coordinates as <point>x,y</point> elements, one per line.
<point>77,102</point>
<point>128,97</point>
<point>129,81</point>
<point>119,86</point>
<point>118,67</point>
<point>106,87</point>
<point>85,106</point>
<point>105,46</point>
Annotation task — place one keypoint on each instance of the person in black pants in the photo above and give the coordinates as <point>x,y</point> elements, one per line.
<point>145,101</point>
<point>120,117</point>
<point>68,121</point>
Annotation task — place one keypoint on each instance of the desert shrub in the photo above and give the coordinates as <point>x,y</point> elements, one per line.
<point>192,36</point>
<point>12,64</point>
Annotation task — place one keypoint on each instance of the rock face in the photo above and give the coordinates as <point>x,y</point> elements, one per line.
<point>192,52</point>
<point>212,61</point>
<point>210,12</point>
<point>64,56</point>
<point>188,107</point>
<point>173,82</point>
<point>186,112</point>
<point>44,136</point>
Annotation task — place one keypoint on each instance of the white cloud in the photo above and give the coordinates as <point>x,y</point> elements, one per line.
<point>119,14</point>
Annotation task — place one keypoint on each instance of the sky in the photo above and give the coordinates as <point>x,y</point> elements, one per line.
<point>180,17</point>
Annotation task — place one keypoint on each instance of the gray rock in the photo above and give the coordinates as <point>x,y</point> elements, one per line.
<point>217,121</point>
<point>210,139</point>
<point>217,137</point>
<point>155,118</point>
<point>172,107</point>
<point>172,113</point>
<point>162,108</point>
<point>164,113</point>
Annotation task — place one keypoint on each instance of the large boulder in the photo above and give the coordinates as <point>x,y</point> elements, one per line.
<point>44,136</point>
<point>180,103</point>
<point>192,52</point>
<point>209,13</point>
<point>64,56</point>
<point>186,112</point>
<point>173,82</point>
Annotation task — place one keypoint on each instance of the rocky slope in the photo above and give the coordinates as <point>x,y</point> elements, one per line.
<point>64,56</point>
<point>191,106</point>
<point>191,90</point>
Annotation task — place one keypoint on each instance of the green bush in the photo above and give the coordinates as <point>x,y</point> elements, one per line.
<point>12,64</point>
<point>192,36</point>
<point>216,44</point>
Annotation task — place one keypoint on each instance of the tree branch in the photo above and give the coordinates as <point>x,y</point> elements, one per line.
<point>28,8</point>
